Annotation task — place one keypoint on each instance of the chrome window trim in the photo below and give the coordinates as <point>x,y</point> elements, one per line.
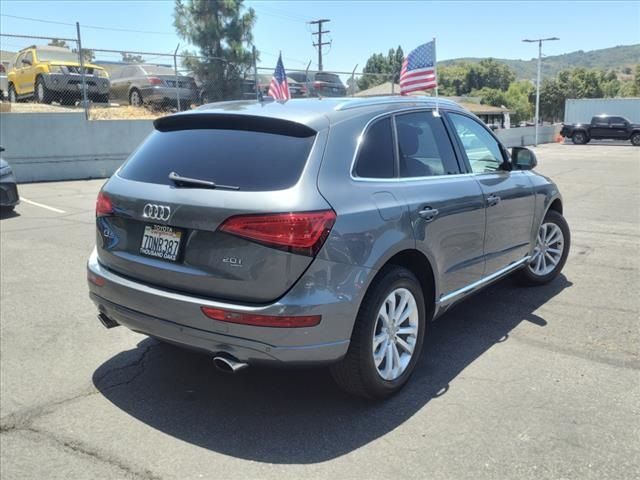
<point>397,178</point>
<point>483,281</point>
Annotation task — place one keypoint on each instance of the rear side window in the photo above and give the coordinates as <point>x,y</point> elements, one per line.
<point>252,161</point>
<point>424,147</point>
<point>375,156</point>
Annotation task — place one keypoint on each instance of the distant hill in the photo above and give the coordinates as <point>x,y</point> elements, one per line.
<point>614,58</point>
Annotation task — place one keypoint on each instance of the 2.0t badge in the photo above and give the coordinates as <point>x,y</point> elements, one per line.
<point>156,212</point>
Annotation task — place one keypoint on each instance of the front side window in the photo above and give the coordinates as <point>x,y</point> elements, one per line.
<point>18,62</point>
<point>424,148</point>
<point>29,58</point>
<point>482,149</point>
<point>375,155</point>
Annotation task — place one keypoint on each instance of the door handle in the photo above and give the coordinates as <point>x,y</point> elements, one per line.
<point>493,200</point>
<point>428,214</point>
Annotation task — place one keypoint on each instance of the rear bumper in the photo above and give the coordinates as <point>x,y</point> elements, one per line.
<point>177,318</point>
<point>168,95</point>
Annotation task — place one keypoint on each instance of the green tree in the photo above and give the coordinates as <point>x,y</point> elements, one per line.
<point>382,68</point>
<point>221,30</point>
<point>636,80</point>
<point>519,98</point>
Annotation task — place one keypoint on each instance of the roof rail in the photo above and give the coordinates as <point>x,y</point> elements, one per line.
<point>370,102</point>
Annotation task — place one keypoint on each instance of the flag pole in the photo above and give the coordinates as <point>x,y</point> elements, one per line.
<point>435,70</point>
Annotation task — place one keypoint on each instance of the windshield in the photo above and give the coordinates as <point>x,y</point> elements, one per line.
<point>57,56</point>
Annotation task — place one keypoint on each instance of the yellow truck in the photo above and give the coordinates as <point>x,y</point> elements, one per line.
<point>53,74</point>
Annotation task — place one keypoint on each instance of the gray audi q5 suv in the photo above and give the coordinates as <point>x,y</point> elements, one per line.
<point>318,231</point>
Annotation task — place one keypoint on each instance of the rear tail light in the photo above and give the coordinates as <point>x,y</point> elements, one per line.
<point>302,233</point>
<point>104,206</point>
<point>155,81</point>
<point>261,320</point>
<point>318,84</point>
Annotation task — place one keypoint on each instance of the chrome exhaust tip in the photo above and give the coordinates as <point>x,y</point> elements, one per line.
<point>228,364</point>
<point>106,321</point>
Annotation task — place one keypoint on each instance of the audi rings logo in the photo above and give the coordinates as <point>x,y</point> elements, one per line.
<point>156,212</point>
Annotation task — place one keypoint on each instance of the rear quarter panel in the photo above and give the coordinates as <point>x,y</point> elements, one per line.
<point>373,222</point>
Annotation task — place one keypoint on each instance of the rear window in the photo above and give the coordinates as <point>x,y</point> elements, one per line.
<point>252,161</point>
<point>159,70</point>
<point>297,76</point>
<point>328,77</point>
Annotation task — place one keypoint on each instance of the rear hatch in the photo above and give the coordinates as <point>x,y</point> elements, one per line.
<point>162,221</point>
<point>329,85</point>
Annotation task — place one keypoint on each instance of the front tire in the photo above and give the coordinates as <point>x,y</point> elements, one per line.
<point>42,93</point>
<point>579,138</point>
<point>550,253</point>
<point>387,337</point>
<point>13,96</point>
<point>635,139</point>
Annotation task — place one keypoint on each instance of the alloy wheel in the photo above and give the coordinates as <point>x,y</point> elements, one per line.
<point>135,98</point>
<point>395,334</point>
<point>548,250</point>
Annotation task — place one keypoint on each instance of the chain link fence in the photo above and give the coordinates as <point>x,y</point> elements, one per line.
<point>43,74</point>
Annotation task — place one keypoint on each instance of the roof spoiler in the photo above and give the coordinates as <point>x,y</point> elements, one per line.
<point>226,121</point>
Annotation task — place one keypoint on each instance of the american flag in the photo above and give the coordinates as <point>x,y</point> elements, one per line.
<point>279,88</point>
<point>419,69</point>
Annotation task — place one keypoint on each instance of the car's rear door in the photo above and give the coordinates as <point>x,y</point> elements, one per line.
<point>446,207</point>
<point>508,195</point>
<point>618,128</point>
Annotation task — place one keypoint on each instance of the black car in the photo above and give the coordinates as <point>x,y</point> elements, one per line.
<point>9,197</point>
<point>602,127</point>
<point>320,84</point>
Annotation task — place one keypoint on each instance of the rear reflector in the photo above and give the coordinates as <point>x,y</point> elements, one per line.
<point>302,233</point>
<point>261,320</point>
<point>103,205</point>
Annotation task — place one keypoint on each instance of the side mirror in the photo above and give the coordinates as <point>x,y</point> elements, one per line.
<point>523,158</point>
<point>26,61</point>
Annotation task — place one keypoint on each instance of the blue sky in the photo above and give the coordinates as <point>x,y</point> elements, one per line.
<point>358,28</point>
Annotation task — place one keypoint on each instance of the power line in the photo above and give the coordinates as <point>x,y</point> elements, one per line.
<point>320,43</point>
<point>95,27</point>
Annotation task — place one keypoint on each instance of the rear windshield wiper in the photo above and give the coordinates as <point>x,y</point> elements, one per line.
<point>181,181</point>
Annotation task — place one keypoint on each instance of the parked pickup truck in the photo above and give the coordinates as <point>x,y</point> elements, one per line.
<point>603,127</point>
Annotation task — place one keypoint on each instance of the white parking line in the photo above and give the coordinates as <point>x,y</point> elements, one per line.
<point>31,202</point>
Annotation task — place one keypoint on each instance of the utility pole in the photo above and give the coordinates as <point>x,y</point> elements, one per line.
<point>539,42</point>
<point>320,43</point>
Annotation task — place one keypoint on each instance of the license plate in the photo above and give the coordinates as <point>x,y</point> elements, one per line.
<point>161,241</point>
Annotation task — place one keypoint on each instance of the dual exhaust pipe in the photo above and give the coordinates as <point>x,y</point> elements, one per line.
<point>223,362</point>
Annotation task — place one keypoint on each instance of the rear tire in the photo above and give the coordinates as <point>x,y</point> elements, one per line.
<point>579,138</point>
<point>635,139</point>
<point>546,262</point>
<point>135,98</point>
<point>361,371</point>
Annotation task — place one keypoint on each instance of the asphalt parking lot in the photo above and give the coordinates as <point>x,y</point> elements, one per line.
<point>514,383</point>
